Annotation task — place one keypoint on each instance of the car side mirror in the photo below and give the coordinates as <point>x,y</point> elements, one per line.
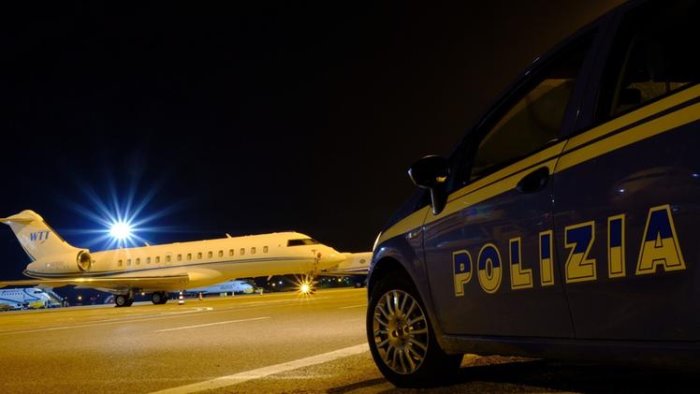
<point>431,173</point>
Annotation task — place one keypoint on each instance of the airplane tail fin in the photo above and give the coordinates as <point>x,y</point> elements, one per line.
<point>36,237</point>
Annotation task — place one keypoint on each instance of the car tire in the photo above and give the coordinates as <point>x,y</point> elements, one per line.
<point>401,338</point>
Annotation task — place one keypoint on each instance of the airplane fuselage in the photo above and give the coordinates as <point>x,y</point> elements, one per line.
<point>204,262</point>
<point>159,269</point>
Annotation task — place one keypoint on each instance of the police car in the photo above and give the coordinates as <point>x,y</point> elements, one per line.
<point>566,223</point>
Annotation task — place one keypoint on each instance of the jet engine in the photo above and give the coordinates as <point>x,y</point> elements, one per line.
<point>84,260</point>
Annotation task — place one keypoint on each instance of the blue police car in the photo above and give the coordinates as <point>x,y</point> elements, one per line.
<point>566,224</point>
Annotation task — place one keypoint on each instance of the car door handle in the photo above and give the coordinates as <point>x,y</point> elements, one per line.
<point>414,233</point>
<point>534,181</point>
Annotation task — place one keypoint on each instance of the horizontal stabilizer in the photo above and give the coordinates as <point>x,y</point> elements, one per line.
<point>117,283</point>
<point>22,217</point>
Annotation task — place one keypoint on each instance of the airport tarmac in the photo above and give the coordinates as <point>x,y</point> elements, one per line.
<point>274,343</point>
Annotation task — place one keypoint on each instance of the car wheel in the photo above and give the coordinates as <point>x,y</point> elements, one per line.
<point>401,338</point>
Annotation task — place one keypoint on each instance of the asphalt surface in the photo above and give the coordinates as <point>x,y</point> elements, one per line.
<point>274,343</point>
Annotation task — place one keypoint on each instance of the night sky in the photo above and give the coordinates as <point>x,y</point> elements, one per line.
<point>251,118</point>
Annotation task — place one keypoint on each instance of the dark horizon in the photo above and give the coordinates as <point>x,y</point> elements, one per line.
<point>250,119</point>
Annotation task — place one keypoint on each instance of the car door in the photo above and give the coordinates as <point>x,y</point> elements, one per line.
<point>488,255</point>
<point>627,191</point>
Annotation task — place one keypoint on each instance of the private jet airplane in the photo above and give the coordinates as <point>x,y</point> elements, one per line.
<point>230,286</point>
<point>29,297</point>
<point>159,269</point>
<point>354,264</point>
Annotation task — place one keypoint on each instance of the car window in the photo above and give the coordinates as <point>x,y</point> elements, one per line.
<point>651,57</point>
<point>535,115</point>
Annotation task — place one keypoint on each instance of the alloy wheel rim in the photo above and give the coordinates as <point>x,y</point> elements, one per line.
<point>400,331</point>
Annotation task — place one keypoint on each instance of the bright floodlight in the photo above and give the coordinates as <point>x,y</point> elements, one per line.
<point>120,230</point>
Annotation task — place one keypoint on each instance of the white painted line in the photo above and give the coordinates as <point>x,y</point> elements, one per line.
<point>162,314</point>
<point>230,380</point>
<point>353,306</point>
<point>213,324</point>
<point>98,323</point>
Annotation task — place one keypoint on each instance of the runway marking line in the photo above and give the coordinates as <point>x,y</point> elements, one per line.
<point>213,324</point>
<point>352,306</point>
<point>97,323</point>
<point>231,380</point>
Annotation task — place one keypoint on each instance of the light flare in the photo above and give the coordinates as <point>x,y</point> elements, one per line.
<point>305,288</point>
<point>306,285</point>
<point>123,219</point>
<point>120,231</point>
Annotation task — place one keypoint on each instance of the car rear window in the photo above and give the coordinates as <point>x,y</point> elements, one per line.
<point>654,54</point>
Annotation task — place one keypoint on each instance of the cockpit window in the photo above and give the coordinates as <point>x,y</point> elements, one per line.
<point>300,242</point>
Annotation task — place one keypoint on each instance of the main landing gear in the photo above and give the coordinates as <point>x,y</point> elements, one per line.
<point>159,298</point>
<point>121,300</point>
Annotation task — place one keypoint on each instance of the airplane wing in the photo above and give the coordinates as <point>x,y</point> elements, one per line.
<point>169,282</point>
